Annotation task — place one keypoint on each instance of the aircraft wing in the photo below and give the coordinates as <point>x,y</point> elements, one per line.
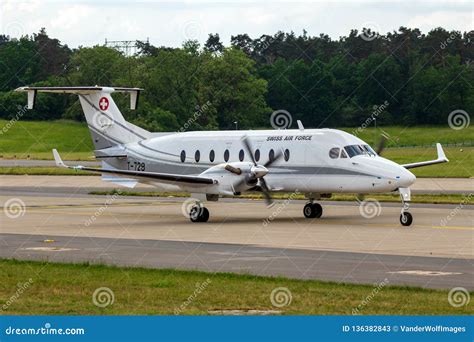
<point>141,175</point>
<point>441,159</point>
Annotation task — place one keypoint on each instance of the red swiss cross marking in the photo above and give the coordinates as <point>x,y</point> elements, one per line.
<point>103,103</point>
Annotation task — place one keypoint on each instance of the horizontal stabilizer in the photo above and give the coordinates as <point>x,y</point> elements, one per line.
<point>32,91</point>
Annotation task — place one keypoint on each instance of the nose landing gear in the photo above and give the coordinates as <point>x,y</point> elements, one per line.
<point>406,218</point>
<point>312,210</point>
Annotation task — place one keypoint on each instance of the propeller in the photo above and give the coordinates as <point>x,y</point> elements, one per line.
<point>257,171</point>
<point>382,142</point>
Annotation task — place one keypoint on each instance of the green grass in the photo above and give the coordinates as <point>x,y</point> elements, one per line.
<point>400,136</point>
<point>38,138</point>
<point>422,198</point>
<point>85,156</point>
<point>40,170</point>
<point>67,289</point>
<point>461,161</point>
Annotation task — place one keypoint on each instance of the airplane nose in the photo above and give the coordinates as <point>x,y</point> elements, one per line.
<point>406,178</point>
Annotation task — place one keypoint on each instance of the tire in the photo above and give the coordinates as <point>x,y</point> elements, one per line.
<point>204,215</point>
<point>308,211</point>
<point>406,219</point>
<point>195,213</point>
<point>318,209</point>
<point>312,210</point>
<point>198,214</point>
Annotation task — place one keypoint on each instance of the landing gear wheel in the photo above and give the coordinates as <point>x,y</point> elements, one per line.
<point>204,215</point>
<point>312,210</point>
<point>198,214</point>
<point>319,209</point>
<point>308,211</point>
<point>406,219</point>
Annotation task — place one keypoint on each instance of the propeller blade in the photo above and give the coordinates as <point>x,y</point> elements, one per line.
<point>248,148</point>
<point>381,144</point>
<point>277,156</point>
<point>266,192</point>
<point>232,169</point>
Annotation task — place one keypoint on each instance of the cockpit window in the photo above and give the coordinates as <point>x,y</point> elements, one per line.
<point>369,150</point>
<point>343,154</point>
<point>334,152</point>
<point>356,150</point>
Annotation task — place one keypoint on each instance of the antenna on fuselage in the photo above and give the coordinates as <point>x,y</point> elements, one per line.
<point>300,125</point>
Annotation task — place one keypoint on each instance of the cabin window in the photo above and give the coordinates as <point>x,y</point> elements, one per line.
<point>334,152</point>
<point>257,155</point>
<point>197,156</point>
<point>287,154</point>
<point>271,155</point>
<point>226,155</point>
<point>183,156</point>
<point>212,155</point>
<point>241,155</point>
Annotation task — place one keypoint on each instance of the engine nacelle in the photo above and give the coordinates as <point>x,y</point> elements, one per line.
<point>228,178</point>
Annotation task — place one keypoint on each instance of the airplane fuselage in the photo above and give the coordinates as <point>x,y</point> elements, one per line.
<point>314,160</point>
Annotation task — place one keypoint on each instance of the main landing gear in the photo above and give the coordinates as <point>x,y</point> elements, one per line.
<point>406,218</point>
<point>312,210</point>
<point>198,213</point>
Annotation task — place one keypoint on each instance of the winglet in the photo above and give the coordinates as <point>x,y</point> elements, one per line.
<point>441,155</point>
<point>57,159</point>
<point>440,159</point>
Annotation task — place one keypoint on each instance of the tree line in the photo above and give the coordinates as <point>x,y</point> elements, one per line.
<point>418,78</point>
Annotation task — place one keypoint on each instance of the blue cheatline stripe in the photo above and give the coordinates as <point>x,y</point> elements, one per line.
<point>240,328</point>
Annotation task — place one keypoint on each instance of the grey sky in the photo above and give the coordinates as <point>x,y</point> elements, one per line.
<point>170,23</point>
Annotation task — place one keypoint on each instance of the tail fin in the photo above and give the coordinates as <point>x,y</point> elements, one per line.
<point>107,125</point>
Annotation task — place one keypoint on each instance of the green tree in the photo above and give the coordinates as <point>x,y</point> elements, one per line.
<point>231,85</point>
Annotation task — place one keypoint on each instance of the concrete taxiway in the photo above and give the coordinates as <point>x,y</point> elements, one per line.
<point>244,236</point>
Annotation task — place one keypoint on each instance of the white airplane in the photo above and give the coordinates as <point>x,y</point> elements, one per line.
<point>210,164</point>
